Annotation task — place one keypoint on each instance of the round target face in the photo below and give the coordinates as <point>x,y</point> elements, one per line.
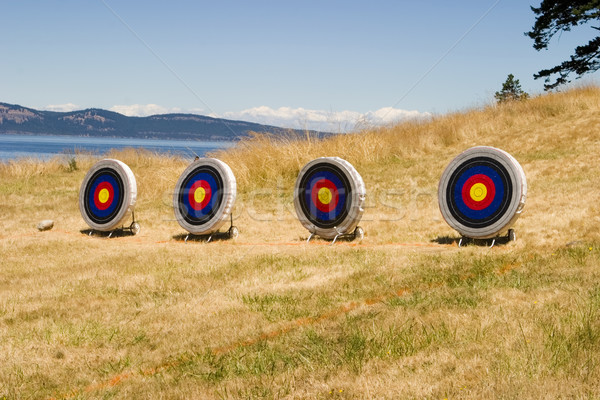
<point>482,192</point>
<point>201,195</point>
<point>328,196</point>
<point>204,196</point>
<point>107,193</point>
<point>325,194</point>
<point>104,195</point>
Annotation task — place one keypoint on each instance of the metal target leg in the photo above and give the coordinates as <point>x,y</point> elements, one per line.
<point>310,237</point>
<point>359,233</point>
<point>110,234</point>
<point>493,243</point>
<point>186,238</point>
<point>460,242</point>
<point>512,236</point>
<point>336,236</point>
<point>134,228</point>
<point>233,232</point>
<point>334,239</point>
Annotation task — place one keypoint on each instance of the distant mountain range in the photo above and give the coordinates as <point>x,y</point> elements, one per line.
<point>97,123</point>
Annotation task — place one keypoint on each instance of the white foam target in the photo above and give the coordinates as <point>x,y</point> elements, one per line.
<point>329,195</point>
<point>482,192</point>
<point>204,196</point>
<point>107,195</point>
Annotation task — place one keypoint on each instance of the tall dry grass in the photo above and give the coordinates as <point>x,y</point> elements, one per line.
<point>548,121</point>
<point>269,317</point>
<point>554,137</point>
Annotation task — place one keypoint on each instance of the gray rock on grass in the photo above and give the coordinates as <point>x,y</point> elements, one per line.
<point>45,225</point>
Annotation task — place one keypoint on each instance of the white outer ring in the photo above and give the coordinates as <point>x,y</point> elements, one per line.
<point>357,199</point>
<point>517,201</point>
<point>226,206</point>
<point>129,193</point>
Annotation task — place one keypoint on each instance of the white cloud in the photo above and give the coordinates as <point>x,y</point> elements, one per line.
<point>328,121</point>
<point>388,115</point>
<point>286,117</point>
<point>62,107</point>
<point>143,110</point>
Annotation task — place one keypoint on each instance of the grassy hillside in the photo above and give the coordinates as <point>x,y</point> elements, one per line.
<point>269,317</point>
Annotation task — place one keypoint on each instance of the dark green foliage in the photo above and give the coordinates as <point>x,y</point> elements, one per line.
<point>72,165</point>
<point>554,16</point>
<point>511,90</point>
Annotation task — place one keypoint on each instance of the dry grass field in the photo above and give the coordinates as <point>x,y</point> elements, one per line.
<point>398,316</point>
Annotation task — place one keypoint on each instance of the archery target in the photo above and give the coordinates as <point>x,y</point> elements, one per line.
<point>482,192</point>
<point>204,196</point>
<point>107,194</point>
<point>328,197</point>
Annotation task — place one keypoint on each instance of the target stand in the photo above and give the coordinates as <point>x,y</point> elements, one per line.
<point>231,233</point>
<point>131,229</point>
<point>357,234</point>
<point>481,194</point>
<point>203,200</point>
<point>328,197</point>
<point>106,197</point>
<point>510,236</point>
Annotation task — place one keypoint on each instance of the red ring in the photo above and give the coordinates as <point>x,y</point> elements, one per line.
<point>111,194</point>
<point>490,187</point>
<point>325,183</point>
<point>207,194</point>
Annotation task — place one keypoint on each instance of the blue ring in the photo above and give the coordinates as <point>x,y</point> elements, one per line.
<point>496,202</point>
<point>102,214</point>
<point>214,187</point>
<point>316,213</point>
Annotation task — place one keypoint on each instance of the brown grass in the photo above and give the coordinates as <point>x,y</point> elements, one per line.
<point>266,316</point>
<point>554,137</point>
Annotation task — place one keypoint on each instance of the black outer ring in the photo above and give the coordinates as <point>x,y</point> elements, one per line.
<point>218,179</point>
<point>504,205</point>
<point>90,183</point>
<point>302,193</point>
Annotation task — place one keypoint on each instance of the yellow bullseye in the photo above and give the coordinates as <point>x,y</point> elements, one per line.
<point>103,196</point>
<point>325,195</point>
<point>478,192</point>
<point>199,195</point>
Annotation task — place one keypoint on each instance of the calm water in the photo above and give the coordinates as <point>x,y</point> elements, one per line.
<point>44,147</point>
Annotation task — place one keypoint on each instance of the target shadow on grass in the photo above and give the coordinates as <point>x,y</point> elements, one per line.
<point>355,236</point>
<point>117,233</point>
<point>231,234</point>
<point>465,241</point>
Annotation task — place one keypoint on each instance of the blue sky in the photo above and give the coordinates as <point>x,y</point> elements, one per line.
<point>316,64</point>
